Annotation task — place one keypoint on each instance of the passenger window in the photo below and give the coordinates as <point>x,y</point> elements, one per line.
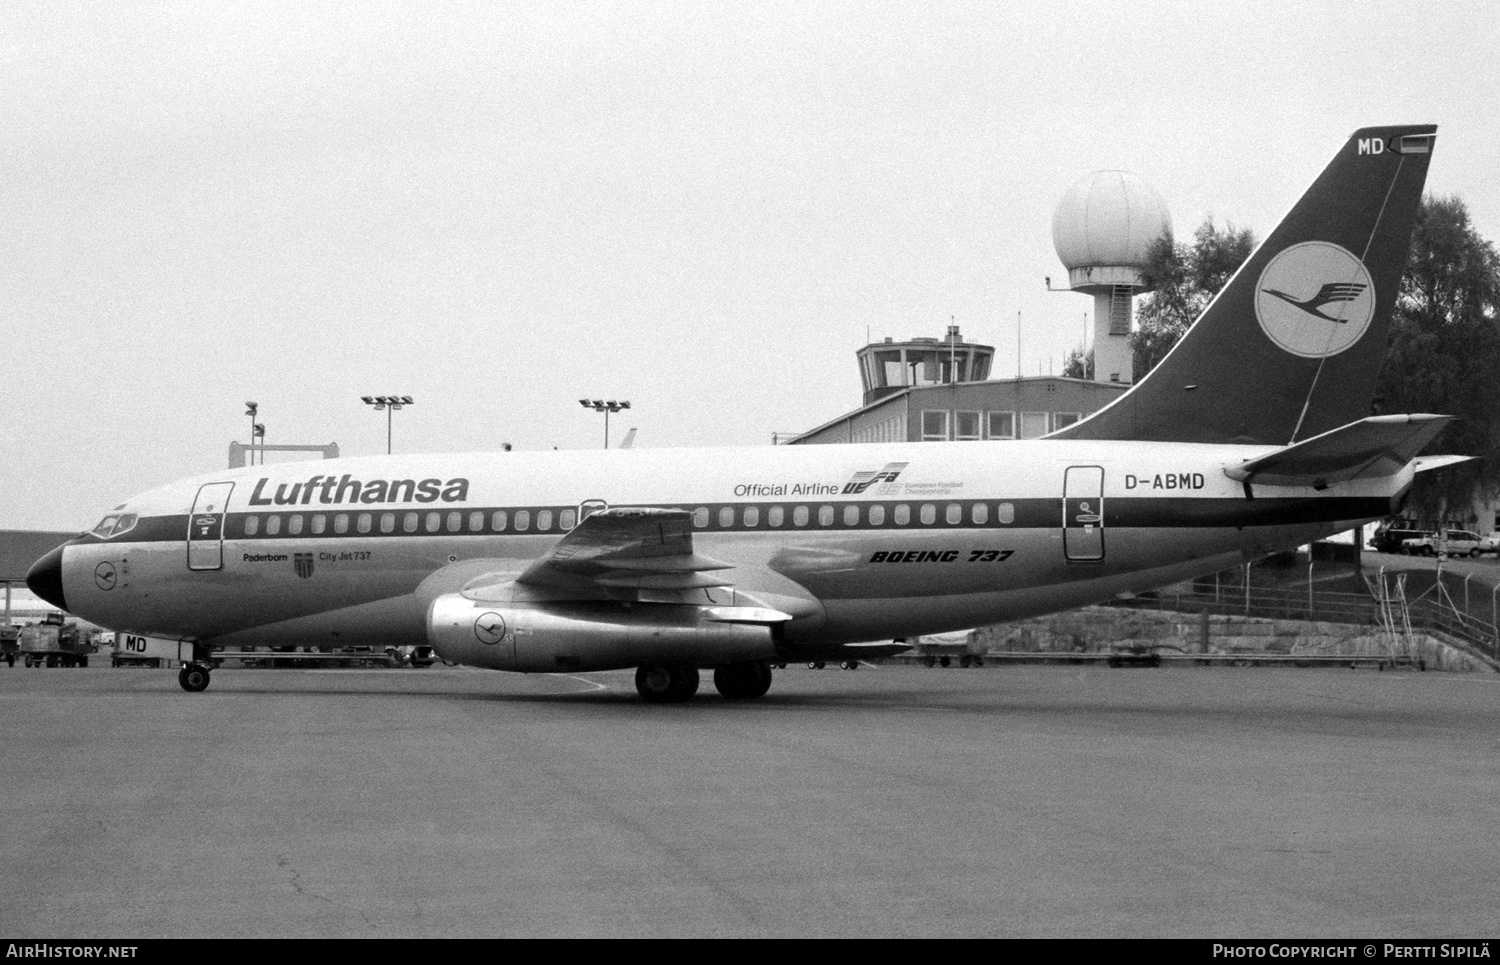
<point>980,514</point>
<point>544,520</point>
<point>903,514</point>
<point>851,515</point>
<point>775,516</point>
<point>929,514</point>
<point>432,521</point>
<point>319,523</point>
<point>752,516</point>
<point>455,521</point>
<point>523,520</point>
<point>294,524</point>
<point>1005,513</point>
<point>341,523</point>
<point>568,519</point>
<point>363,522</point>
<point>476,522</point>
<point>252,525</point>
<point>825,515</point>
<point>799,516</point>
<point>877,515</point>
<point>498,521</point>
<point>387,522</point>
<point>700,517</point>
<point>954,514</point>
<point>273,525</point>
<point>726,517</point>
<point>409,523</point>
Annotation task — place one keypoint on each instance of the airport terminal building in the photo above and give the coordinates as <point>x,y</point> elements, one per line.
<point>938,390</point>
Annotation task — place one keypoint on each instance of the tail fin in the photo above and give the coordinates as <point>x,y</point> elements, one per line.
<point>1291,347</point>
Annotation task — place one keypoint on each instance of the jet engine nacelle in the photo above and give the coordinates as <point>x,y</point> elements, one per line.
<point>588,636</point>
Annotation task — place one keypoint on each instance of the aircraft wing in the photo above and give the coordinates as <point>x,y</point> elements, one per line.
<point>644,555</point>
<point>1374,447</point>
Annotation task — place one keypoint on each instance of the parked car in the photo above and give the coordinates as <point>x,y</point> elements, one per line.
<point>1454,542</point>
<point>1391,534</point>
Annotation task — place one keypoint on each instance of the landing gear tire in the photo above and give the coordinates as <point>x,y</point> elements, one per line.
<point>666,683</point>
<point>193,678</point>
<point>743,681</point>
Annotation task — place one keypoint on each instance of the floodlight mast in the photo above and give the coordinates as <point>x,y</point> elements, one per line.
<point>606,407</point>
<point>390,403</point>
<point>250,409</point>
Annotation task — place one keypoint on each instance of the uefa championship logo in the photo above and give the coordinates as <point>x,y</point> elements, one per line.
<point>1315,299</point>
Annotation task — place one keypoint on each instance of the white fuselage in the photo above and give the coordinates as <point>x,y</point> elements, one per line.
<point>857,542</point>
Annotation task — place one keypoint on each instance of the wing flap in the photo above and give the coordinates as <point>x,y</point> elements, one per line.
<point>1370,448</point>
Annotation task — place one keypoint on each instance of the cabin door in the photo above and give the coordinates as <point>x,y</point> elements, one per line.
<point>1083,514</point>
<point>205,537</point>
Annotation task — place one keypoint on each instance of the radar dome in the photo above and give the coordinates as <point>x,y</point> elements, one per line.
<point>1104,226</point>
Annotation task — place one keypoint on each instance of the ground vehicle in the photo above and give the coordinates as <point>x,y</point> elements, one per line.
<point>1453,542</point>
<point>10,643</point>
<point>1392,533</point>
<point>418,656</point>
<point>1491,543</point>
<point>57,643</point>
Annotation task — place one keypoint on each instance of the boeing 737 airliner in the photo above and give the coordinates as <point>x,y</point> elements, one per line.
<point>1252,436</point>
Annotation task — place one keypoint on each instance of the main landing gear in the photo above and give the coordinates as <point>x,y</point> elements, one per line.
<point>743,681</point>
<point>666,683</point>
<point>674,683</point>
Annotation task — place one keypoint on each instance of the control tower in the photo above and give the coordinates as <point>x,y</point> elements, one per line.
<point>890,366</point>
<point>1102,231</point>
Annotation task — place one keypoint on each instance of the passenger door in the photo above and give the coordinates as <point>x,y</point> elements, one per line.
<point>205,536</point>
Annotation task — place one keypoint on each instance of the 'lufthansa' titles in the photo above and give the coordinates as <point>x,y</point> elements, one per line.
<point>331,491</point>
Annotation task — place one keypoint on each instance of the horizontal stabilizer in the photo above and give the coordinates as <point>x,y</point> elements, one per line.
<point>1429,463</point>
<point>1370,448</point>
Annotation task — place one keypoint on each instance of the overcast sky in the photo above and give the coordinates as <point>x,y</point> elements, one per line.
<point>700,207</point>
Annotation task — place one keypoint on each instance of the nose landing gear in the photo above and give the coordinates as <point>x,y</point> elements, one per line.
<point>193,678</point>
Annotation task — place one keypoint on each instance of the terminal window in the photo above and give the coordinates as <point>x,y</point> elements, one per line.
<point>934,425</point>
<point>1033,424</point>
<point>966,425</point>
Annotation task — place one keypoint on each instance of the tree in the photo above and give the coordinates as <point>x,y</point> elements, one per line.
<point>1186,278</point>
<point>1444,356</point>
<point>1079,364</point>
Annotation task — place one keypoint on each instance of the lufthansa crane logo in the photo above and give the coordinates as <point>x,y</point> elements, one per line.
<point>490,628</point>
<point>1315,299</point>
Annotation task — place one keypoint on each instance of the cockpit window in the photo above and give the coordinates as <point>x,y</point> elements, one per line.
<point>114,525</point>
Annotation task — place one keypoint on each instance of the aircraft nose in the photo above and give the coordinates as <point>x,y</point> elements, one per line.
<point>45,578</point>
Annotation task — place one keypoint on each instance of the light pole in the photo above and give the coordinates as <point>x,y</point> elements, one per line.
<point>390,403</point>
<point>250,409</point>
<point>258,431</point>
<point>606,408</point>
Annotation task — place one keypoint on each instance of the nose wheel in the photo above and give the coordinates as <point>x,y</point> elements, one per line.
<point>193,678</point>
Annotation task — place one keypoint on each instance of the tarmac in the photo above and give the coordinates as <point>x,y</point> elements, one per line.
<point>890,801</point>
